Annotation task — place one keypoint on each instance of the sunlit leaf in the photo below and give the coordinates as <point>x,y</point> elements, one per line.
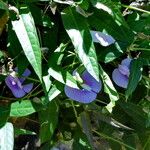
<point>109,89</point>
<point>54,91</point>
<point>7,137</point>
<point>57,72</point>
<point>24,108</point>
<point>27,35</point>
<point>78,31</point>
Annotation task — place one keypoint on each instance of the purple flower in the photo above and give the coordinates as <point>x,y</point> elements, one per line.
<point>103,39</point>
<point>15,84</point>
<point>121,74</point>
<point>88,91</point>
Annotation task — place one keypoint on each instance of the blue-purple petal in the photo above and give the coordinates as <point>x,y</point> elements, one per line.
<point>120,79</point>
<point>124,70</point>
<point>12,82</point>
<point>28,87</point>
<point>18,93</point>
<point>16,89</point>
<point>126,62</point>
<point>15,84</point>
<point>26,73</point>
<point>91,82</point>
<point>103,39</point>
<point>80,95</point>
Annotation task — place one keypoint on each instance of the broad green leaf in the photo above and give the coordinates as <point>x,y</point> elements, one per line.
<point>7,137</point>
<point>111,8</point>
<point>3,21</point>
<point>48,121</point>
<point>131,139</point>
<point>54,91</point>
<point>47,82</point>
<point>23,132</point>
<point>80,141</point>
<point>109,89</point>
<point>63,76</point>
<point>144,139</point>
<point>135,75</point>
<point>78,31</point>
<point>136,113</point>
<point>4,115</point>
<point>84,121</point>
<point>3,6</point>
<point>57,72</point>
<point>103,22</point>
<point>27,36</point>
<point>24,108</point>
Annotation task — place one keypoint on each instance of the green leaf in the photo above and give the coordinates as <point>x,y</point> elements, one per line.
<point>3,6</point>
<point>27,35</point>
<point>111,8</point>
<point>3,20</point>
<point>135,75</point>
<point>63,76</point>
<point>48,121</point>
<point>7,137</point>
<point>136,113</point>
<point>84,121</point>
<point>78,31</point>
<point>23,132</point>
<point>24,108</point>
<point>57,72</point>
<point>103,22</point>
<point>4,114</point>
<point>54,91</point>
<point>80,141</point>
<point>47,82</point>
<point>109,89</point>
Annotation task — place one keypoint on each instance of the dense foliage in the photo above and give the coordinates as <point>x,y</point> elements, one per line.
<point>74,74</point>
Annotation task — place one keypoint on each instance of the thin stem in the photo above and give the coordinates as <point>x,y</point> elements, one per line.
<point>31,92</point>
<point>140,49</point>
<point>112,139</point>
<point>35,80</point>
<point>36,93</point>
<point>74,109</point>
<point>135,8</point>
<point>7,98</point>
<point>101,101</point>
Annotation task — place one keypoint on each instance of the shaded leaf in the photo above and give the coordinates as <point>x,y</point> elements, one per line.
<point>48,120</point>
<point>111,8</point>
<point>84,122</point>
<point>23,132</point>
<point>136,113</point>
<point>4,114</point>
<point>80,141</point>
<point>135,75</point>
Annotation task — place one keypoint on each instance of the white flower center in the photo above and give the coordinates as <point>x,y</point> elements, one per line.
<point>13,83</point>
